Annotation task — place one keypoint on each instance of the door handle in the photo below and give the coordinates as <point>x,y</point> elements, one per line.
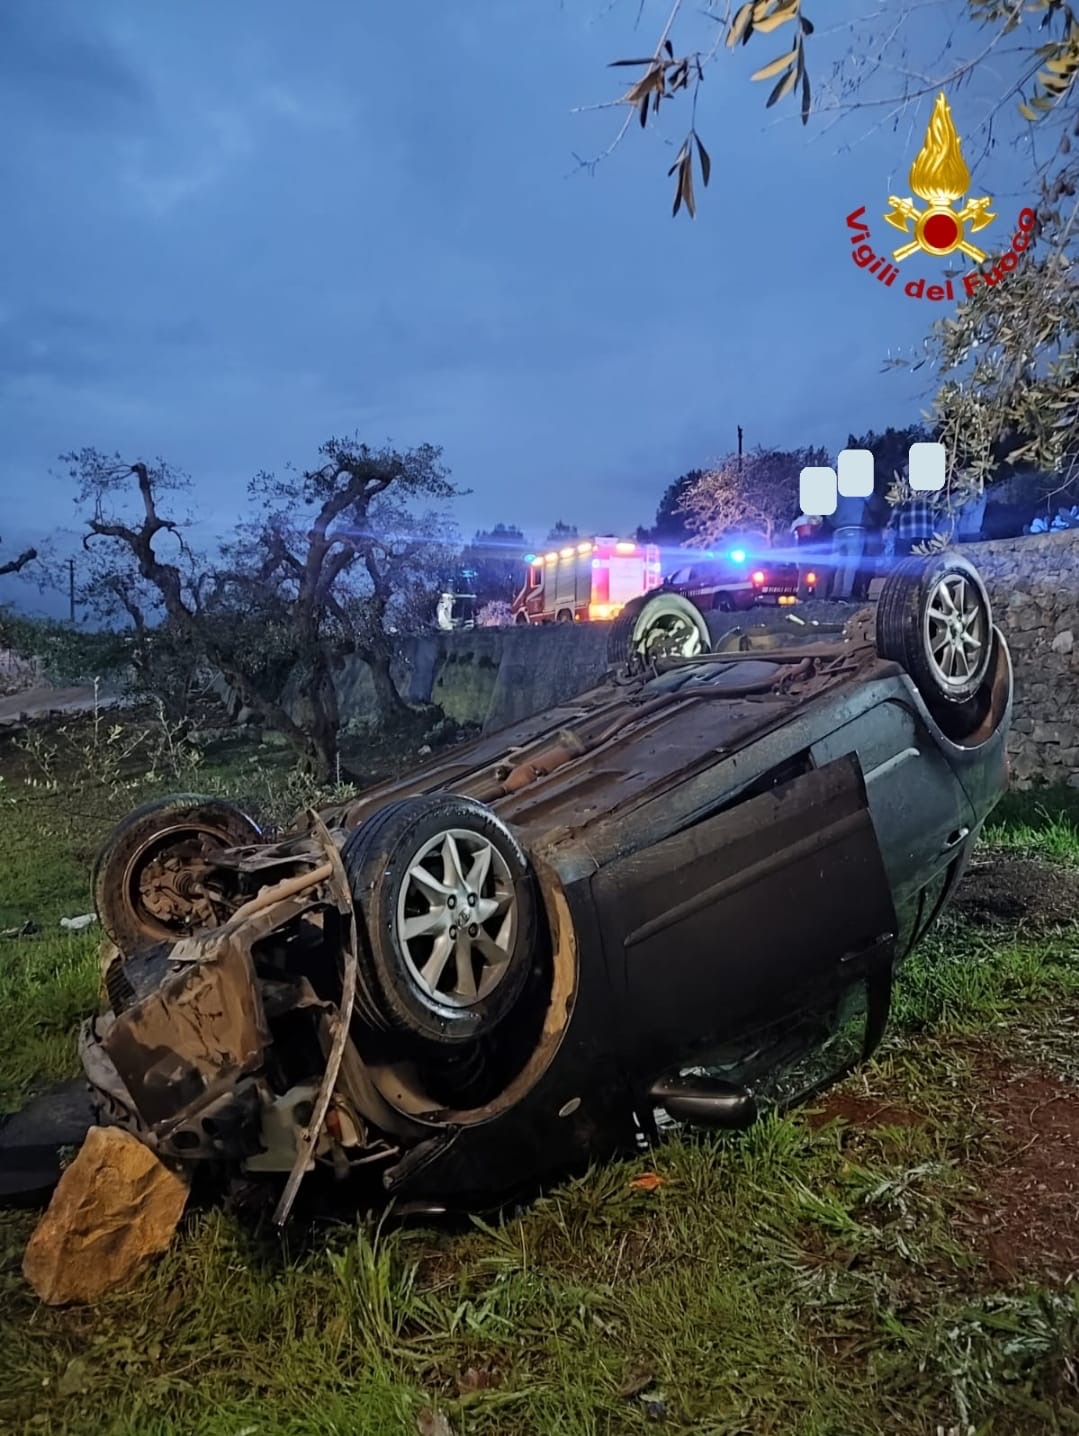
<point>955,839</point>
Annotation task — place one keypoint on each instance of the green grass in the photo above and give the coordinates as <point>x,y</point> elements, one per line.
<point>1043,833</point>
<point>799,1280</point>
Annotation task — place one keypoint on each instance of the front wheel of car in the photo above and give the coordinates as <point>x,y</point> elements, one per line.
<point>449,910</point>
<point>934,618</point>
<point>663,625</point>
<point>153,881</point>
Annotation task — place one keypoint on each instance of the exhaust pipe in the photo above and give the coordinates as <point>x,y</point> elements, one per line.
<point>702,1101</point>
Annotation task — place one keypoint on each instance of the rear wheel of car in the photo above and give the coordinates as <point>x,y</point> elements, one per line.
<point>934,618</point>
<point>564,615</point>
<point>449,910</point>
<point>149,878</point>
<point>663,625</point>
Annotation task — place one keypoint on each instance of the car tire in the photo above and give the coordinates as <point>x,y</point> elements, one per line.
<point>564,615</point>
<point>662,625</point>
<point>934,618</point>
<point>421,974</point>
<point>521,618</point>
<point>137,904</point>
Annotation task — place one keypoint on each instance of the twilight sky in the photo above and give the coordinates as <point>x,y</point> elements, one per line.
<point>231,230</point>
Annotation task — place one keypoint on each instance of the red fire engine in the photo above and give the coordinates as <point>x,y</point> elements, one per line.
<point>593,579</point>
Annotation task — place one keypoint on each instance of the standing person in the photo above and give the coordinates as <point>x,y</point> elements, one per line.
<point>877,514</point>
<point>913,521</point>
<point>812,541</point>
<point>849,533</point>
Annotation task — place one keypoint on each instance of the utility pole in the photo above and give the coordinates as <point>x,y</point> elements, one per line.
<point>71,587</point>
<point>739,446</point>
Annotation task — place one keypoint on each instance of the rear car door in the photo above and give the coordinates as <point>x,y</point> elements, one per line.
<point>743,917</point>
<point>920,811</point>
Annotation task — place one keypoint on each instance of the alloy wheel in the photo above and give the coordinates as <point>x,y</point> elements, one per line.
<point>955,630</point>
<point>457,917</point>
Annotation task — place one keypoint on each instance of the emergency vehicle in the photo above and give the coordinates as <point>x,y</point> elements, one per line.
<point>591,579</point>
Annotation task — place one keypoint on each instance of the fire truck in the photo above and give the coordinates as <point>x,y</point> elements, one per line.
<point>593,579</point>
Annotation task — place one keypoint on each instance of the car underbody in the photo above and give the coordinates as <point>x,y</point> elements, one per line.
<point>682,896</point>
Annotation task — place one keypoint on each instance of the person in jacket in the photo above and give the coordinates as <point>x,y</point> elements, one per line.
<point>914,521</point>
<point>850,531</point>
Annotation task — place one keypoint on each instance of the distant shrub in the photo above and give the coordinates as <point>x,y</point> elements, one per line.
<point>61,653</point>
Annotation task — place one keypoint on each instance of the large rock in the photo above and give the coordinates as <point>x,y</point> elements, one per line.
<point>114,1208</point>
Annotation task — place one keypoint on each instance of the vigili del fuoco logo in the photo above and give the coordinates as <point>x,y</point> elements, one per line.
<point>939,177</point>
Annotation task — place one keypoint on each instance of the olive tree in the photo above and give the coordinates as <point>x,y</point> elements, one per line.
<point>1005,377</point>
<point>331,564</point>
<point>1005,367</point>
<point>756,491</point>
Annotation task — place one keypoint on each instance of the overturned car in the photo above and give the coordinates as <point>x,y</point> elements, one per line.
<point>682,896</point>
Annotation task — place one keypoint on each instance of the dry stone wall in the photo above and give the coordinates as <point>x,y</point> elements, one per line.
<point>1033,583</point>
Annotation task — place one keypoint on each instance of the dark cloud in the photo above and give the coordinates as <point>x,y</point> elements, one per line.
<point>56,67</point>
<point>228,234</point>
<point>79,347</point>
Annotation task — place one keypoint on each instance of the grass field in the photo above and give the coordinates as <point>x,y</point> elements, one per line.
<point>898,1259</point>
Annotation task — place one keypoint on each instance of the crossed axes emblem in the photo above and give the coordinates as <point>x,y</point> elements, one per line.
<point>975,213</point>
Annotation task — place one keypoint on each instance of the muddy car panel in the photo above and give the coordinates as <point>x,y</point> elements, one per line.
<point>742,916</point>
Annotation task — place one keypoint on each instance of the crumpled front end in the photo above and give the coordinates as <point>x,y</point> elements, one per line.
<point>250,1045</point>
<point>229,1045</point>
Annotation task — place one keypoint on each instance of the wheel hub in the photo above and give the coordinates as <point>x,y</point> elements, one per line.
<point>955,630</point>
<point>174,894</point>
<point>672,637</point>
<point>457,918</point>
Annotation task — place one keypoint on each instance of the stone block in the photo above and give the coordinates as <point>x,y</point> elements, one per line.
<point>115,1207</point>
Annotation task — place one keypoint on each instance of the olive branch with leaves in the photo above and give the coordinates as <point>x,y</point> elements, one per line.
<point>668,73</point>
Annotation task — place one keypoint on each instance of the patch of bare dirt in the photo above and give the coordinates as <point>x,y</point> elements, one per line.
<point>1006,890</point>
<point>1026,1223</point>
<point>861,1112</point>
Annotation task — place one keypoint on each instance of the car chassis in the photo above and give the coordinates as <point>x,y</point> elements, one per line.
<point>721,863</point>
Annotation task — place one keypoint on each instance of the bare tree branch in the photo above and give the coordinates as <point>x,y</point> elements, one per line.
<point>16,565</point>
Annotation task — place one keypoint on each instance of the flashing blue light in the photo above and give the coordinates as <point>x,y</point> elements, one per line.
<point>530,558</point>
<point>738,555</point>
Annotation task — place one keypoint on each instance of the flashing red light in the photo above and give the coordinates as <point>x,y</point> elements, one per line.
<point>758,577</point>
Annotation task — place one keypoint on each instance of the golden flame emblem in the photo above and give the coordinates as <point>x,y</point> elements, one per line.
<point>939,176</point>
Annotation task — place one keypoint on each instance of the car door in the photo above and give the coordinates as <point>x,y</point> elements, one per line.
<point>743,917</point>
<point>920,811</point>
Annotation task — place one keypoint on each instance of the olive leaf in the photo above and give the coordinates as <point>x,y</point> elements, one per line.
<point>1059,72</point>
<point>776,66</point>
<point>706,162</point>
<point>781,16</point>
<point>784,87</point>
<point>683,192</point>
<point>741,26</point>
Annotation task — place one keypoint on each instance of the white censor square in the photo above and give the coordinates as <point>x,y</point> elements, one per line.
<point>855,471</point>
<point>818,492</point>
<point>926,468</point>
